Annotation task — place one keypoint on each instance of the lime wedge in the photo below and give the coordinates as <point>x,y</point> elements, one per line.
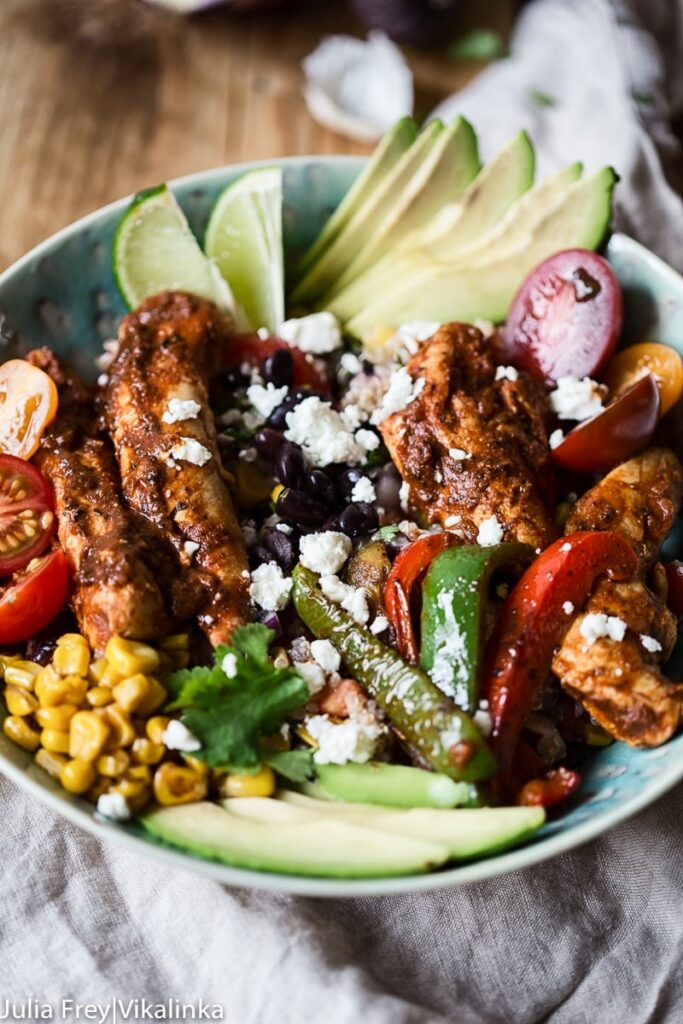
<point>244,239</point>
<point>155,251</point>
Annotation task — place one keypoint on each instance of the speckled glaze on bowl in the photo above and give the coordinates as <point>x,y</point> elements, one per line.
<point>63,294</point>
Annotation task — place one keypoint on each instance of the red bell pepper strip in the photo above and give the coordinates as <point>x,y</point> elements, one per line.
<point>249,348</point>
<point>534,620</point>
<point>558,784</point>
<point>407,570</point>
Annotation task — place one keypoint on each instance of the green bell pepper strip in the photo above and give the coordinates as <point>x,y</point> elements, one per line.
<point>437,733</point>
<point>454,601</point>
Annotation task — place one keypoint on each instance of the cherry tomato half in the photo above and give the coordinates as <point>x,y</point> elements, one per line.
<point>249,348</point>
<point>33,598</point>
<point>28,402</point>
<point>566,318</point>
<point>27,519</point>
<point>664,363</point>
<point>617,433</point>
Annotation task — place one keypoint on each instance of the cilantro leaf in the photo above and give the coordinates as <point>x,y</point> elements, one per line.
<point>295,765</point>
<point>229,714</point>
<point>480,44</point>
<point>542,99</point>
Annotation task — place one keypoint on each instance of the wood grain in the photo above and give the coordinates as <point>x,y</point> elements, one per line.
<point>81,127</point>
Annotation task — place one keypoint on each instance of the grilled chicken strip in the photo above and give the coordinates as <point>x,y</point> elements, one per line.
<point>117,560</point>
<point>620,683</point>
<point>471,447</point>
<point>168,454</point>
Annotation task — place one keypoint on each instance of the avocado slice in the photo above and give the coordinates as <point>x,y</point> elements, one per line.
<point>456,225</point>
<point>389,785</point>
<point>442,178</point>
<point>467,833</point>
<point>383,160</point>
<point>506,234</point>
<point>309,844</point>
<point>350,240</point>
<point>427,288</point>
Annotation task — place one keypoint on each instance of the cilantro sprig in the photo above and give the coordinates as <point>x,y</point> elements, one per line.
<point>230,714</point>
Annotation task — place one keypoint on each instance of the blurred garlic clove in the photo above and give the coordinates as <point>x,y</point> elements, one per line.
<point>358,88</point>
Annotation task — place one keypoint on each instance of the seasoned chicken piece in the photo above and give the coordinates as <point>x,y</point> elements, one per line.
<point>620,681</point>
<point>118,560</point>
<point>471,447</point>
<point>157,411</point>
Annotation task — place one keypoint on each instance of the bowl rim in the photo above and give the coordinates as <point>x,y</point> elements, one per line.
<point>80,813</point>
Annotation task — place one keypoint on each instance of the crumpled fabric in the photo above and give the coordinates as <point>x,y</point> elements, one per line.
<point>593,936</point>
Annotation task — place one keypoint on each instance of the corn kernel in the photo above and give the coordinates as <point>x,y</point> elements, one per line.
<point>56,717</point>
<point>144,751</point>
<point>70,639</point>
<point>99,696</point>
<point>110,677</point>
<point>96,670</point>
<point>140,773</point>
<point>174,784</point>
<point>195,764</point>
<point>156,727</point>
<point>155,697</point>
<point>136,792</point>
<point>280,658</point>
<point>130,693</point>
<point>121,730</point>
<point>54,741</point>
<point>52,690</point>
<point>22,673</point>
<point>262,783</point>
<point>88,735</point>
<point>77,776</point>
<point>49,762</point>
<point>112,765</point>
<point>276,492</point>
<point>20,732</point>
<point>175,642</point>
<point>71,660</point>
<point>130,657</point>
<point>20,701</point>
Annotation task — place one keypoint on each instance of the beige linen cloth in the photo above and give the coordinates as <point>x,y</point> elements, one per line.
<point>593,936</point>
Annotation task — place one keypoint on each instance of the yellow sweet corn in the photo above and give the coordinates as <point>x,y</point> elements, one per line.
<point>112,765</point>
<point>71,660</point>
<point>56,717</point>
<point>88,734</point>
<point>54,741</point>
<point>49,762</point>
<point>77,776</point>
<point>174,784</point>
<point>131,692</point>
<point>99,696</point>
<point>262,783</point>
<point>22,673</point>
<point>20,732</point>
<point>20,701</point>
<point>121,729</point>
<point>129,657</point>
<point>144,751</point>
<point>155,697</point>
<point>156,727</point>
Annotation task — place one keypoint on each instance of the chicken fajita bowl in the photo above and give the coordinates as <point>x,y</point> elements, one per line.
<point>341,522</point>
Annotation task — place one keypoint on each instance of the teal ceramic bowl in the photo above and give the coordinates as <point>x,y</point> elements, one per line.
<point>63,294</point>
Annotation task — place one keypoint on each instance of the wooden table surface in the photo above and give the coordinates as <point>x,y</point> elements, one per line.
<point>82,126</point>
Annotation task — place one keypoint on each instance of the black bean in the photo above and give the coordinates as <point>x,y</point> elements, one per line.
<point>300,508</point>
<point>260,553</point>
<point>41,647</point>
<point>347,480</point>
<point>268,443</point>
<point>387,488</point>
<point>290,464</point>
<point>277,419</point>
<point>278,368</point>
<point>281,547</point>
<point>331,523</point>
<point>359,517</point>
<point>319,485</point>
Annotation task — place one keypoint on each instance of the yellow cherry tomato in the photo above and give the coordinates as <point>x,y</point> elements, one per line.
<point>28,402</point>
<point>664,363</point>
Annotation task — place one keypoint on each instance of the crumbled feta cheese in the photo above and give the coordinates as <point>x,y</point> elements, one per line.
<point>575,399</point>
<point>284,528</point>
<point>103,380</point>
<point>325,552</point>
<point>363,490</point>
<point>351,363</point>
<point>403,389</point>
<point>249,455</point>
<point>270,588</point>
<point>458,454</point>
<point>406,341</point>
<point>190,450</point>
<point>490,532</point>
<point>404,495</point>
<point>597,625</point>
<point>352,740</point>
<point>452,520</point>
<point>326,655</point>
<point>483,721</point>
<point>229,665</point>
<point>177,736</point>
<point>556,438</point>
<point>650,644</point>
<point>354,600</point>
<point>567,607</point>
<point>189,547</point>
<point>367,439</point>
<point>312,674</point>
<point>321,432</point>
<point>113,806</point>
<point>380,624</point>
<point>318,333</point>
<point>181,409</point>
<point>506,373</point>
<point>266,398</point>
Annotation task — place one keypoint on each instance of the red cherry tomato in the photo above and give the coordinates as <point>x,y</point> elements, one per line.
<point>33,598</point>
<point>674,579</point>
<point>249,348</point>
<point>566,318</point>
<point>27,519</point>
<point>617,433</point>
<point>557,786</point>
